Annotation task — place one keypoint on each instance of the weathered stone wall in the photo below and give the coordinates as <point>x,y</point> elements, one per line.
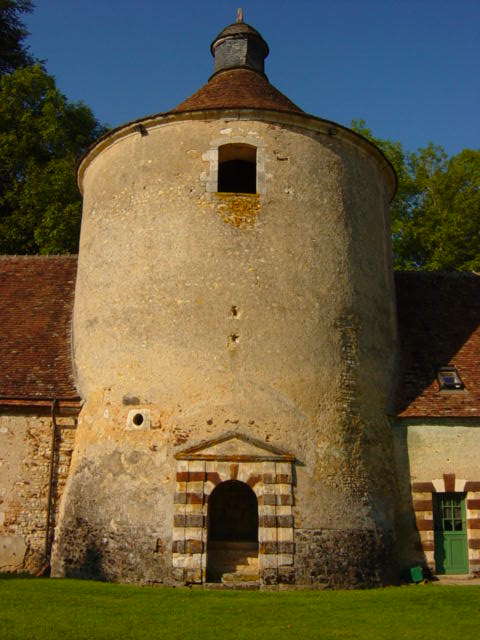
<point>269,314</point>
<point>116,521</point>
<point>344,558</point>
<point>435,455</point>
<point>25,454</point>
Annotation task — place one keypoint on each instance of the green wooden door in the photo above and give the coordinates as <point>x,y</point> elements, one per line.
<point>451,555</point>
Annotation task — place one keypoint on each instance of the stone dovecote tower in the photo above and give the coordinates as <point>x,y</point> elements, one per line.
<point>234,343</point>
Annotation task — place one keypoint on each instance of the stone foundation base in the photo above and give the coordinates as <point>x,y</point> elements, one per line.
<point>349,559</point>
<point>129,555</point>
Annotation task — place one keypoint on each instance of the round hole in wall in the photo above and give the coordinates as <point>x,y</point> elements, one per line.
<point>138,419</point>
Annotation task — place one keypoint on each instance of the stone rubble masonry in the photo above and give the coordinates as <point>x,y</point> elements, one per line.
<point>25,453</point>
<point>325,557</point>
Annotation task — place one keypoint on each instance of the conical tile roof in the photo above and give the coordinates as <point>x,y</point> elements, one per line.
<point>238,89</point>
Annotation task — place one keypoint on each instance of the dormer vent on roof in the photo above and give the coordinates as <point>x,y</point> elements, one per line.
<point>239,46</point>
<point>448,378</point>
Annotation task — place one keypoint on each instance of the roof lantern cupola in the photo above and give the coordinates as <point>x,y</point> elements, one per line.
<point>238,81</point>
<point>239,46</point>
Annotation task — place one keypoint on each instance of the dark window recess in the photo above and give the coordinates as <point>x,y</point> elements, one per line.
<point>448,378</point>
<point>237,168</point>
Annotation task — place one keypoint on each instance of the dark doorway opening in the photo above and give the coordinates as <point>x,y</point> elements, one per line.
<point>232,547</point>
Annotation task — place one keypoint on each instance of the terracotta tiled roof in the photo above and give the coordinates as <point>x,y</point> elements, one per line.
<point>439,324</point>
<point>238,89</point>
<point>36,299</point>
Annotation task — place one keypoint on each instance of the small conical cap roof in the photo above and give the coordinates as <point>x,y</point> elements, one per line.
<point>239,29</point>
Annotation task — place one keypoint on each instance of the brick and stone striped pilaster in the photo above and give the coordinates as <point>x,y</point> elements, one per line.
<point>422,494</point>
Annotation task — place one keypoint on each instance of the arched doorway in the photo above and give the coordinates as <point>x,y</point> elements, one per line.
<point>232,546</point>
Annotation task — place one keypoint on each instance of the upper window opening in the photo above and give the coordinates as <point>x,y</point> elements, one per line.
<point>237,168</point>
<point>448,378</point>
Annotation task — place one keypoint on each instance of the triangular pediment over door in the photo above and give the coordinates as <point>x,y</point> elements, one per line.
<point>235,447</point>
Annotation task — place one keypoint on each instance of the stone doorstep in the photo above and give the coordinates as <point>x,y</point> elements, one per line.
<point>241,573</point>
<point>233,546</point>
<point>228,557</point>
<point>256,586</point>
<point>240,586</point>
<point>234,553</point>
<point>232,556</point>
<point>235,564</point>
<point>237,577</point>
<point>236,569</point>
<point>467,579</point>
<point>243,568</point>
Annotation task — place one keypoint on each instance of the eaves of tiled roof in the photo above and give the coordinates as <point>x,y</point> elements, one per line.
<point>36,301</point>
<point>439,325</point>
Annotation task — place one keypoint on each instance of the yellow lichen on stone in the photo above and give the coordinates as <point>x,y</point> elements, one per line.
<point>238,209</point>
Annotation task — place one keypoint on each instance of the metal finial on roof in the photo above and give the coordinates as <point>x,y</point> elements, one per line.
<point>239,15</point>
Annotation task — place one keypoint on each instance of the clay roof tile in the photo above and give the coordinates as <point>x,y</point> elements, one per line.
<point>439,325</point>
<point>36,294</point>
<point>238,89</point>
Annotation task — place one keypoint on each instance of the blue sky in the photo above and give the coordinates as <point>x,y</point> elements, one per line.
<point>410,69</point>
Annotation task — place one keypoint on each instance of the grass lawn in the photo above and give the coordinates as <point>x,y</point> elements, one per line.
<point>41,608</point>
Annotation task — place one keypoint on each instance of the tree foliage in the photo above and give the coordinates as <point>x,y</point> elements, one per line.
<point>41,136</point>
<point>13,52</point>
<point>436,212</point>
